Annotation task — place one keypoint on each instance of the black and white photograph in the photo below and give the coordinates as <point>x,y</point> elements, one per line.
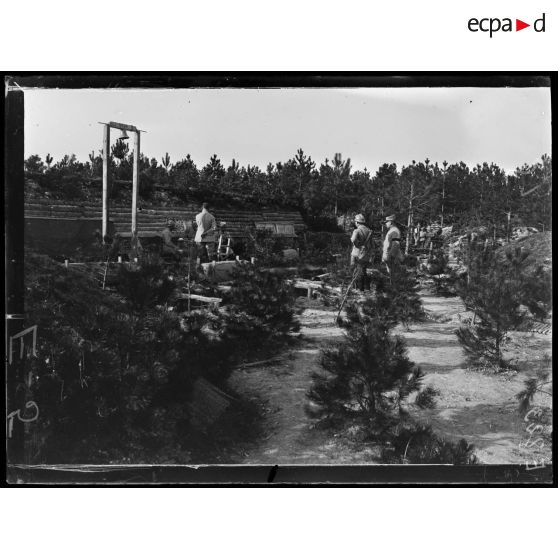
<point>267,275</point>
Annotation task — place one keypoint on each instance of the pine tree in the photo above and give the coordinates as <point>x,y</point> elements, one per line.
<point>166,160</point>
<point>541,383</point>
<point>401,289</point>
<point>501,292</point>
<point>259,307</point>
<point>363,368</point>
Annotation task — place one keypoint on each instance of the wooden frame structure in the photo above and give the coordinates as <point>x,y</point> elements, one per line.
<point>106,173</point>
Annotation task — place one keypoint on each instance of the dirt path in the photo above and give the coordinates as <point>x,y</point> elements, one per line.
<point>473,405</point>
<point>290,438</point>
<point>480,407</point>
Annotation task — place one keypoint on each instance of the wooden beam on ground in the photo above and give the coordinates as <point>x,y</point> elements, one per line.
<point>273,360</point>
<point>224,288</point>
<point>310,286</point>
<point>211,300</point>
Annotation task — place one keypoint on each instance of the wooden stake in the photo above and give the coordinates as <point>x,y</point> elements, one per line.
<point>355,275</point>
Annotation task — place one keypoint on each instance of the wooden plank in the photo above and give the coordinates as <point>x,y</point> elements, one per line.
<point>310,286</point>
<point>200,298</point>
<point>141,234</point>
<point>30,217</point>
<point>307,284</point>
<point>120,126</point>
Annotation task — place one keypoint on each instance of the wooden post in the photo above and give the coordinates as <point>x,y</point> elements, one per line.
<point>135,181</point>
<point>106,171</point>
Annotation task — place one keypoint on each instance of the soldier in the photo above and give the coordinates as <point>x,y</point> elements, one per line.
<point>205,235</point>
<point>422,237</point>
<point>392,255</point>
<point>361,254</point>
<point>416,234</point>
<point>169,247</point>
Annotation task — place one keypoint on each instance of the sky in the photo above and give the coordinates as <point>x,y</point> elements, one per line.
<point>371,126</point>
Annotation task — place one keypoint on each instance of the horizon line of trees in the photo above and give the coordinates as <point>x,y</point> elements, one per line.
<point>420,192</point>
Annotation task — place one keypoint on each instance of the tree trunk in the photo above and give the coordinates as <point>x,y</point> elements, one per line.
<point>410,218</point>
<point>443,199</point>
<point>497,345</point>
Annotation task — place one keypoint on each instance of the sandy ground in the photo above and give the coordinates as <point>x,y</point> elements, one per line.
<point>281,389</point>
<point>475,405</point>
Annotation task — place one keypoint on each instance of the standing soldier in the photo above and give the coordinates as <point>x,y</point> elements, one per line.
<point>391,254</point>
<point>361,253</point>
<point>205,235</point>
<point>422,237</point>
<point>416,234</point>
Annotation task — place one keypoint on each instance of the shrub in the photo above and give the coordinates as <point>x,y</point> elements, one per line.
<point>399,292</point>
<point>426,398</point>
<point>362,369</point>
<point>500,292</point>
<point>541,383</point>
<point>418,444</point>
<point>445,284</point>
<point>321,248</point>
<point>113,374</point>
<point>258,308</point>
<point>146,285</point>
<point>265,246</point>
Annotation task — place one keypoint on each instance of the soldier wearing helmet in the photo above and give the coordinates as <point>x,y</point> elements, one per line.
<point>391,254</point>
<point>361,253</point>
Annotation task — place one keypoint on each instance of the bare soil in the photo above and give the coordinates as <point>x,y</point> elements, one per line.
<point>477,405</point>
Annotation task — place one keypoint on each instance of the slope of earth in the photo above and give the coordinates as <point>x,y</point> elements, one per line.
<point>539,246</point>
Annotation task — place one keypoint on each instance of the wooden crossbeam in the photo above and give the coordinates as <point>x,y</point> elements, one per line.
<point>127,127</point>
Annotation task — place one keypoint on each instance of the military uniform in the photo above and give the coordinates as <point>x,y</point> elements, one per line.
<point>205,235</point>
<point>391,254</point>
<point>169,248</point>
<point>361,254</point>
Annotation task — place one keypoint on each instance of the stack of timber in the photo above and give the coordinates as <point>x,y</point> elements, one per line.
<point>151,219</point>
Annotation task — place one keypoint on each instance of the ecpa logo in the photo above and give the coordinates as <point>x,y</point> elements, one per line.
<point>492,25</point>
